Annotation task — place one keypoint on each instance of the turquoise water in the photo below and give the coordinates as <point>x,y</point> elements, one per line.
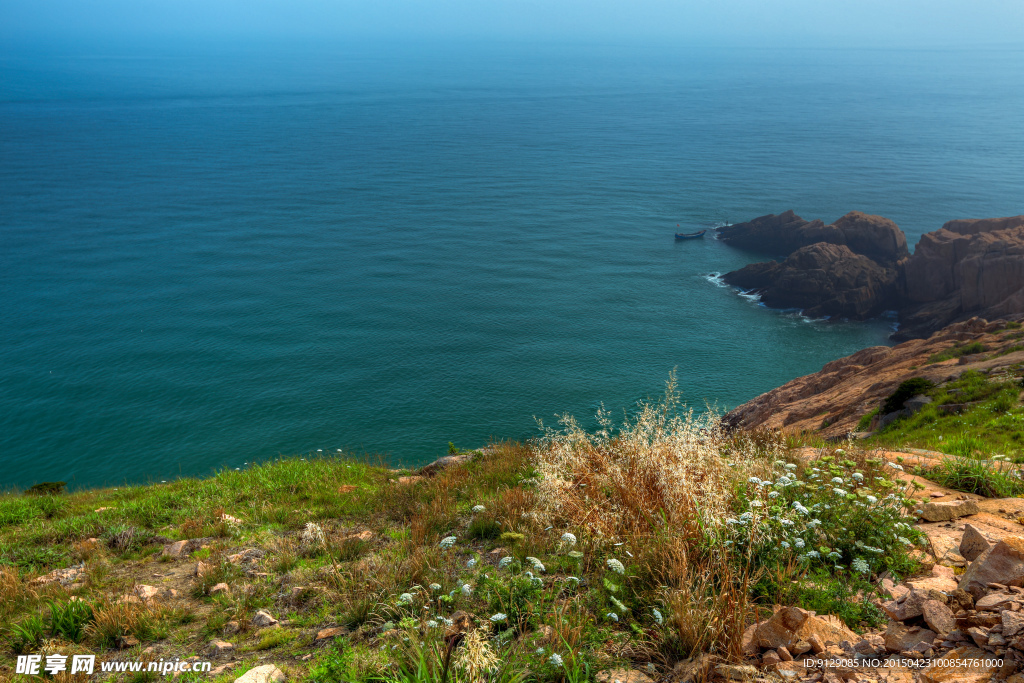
<point>213,258</point>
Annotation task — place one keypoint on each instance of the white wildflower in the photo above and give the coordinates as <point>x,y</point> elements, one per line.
<point>616,566</point>
<point>773,494</point>
<point>499,617</point>
<point>613,616</point>
<point>799,543</point>
<point>568,539</point>
<point>535,563</point>
<point>837,480</point>
<point>658,619</point>
<point>813,554</point>
<point>872,500</point>
<point>555,660</point>
<point>479,508</point>
<point>313,533</point>
<point>432,624</point>
<point>895,466</point>
<point>435,586</point>
<point>470,563</point>
<point>860,566</point>
<point>406,598</point>
<point>467,589</point>
<point>857,476</point>
<point>790,466</point>
<point>504,562</point>
<point>784,544</point>
<point>447,542</point>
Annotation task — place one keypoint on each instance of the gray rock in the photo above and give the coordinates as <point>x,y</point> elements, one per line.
<point>263,619</point>
<point>262,674</point>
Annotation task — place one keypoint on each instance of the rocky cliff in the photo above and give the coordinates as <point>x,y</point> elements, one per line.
<point>832,400</point>
<point>966,268</point>
<point>859,266</point>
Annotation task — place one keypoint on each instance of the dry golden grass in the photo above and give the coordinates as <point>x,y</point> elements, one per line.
<point>113,620</point>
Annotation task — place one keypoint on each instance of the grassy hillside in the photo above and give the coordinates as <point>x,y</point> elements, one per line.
<point>639,545</point>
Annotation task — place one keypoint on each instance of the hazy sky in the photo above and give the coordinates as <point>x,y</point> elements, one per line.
<point>919,23</point>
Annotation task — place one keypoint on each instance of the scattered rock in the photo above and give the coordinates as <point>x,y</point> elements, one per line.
<point>963,664</point>
<point>900,638</point>
<point>443,463</point>
<point>800,647</point>
<point>247,556</point>
<point>978,635</point>
<point>221,647</point>
<point>263,619</point>
<point>946,510</point>
<point>790,625</point>
<point>361,536</point>
<point>64,577</point>
<point>220,588</point>
<point>262,674</point>
<point>973,543</point>
<point>126,642</point>
<point>180,549</point>
<point>870,645</point>
<point>993,602</point>
<point>693,670</point>
<point>623,676</point>
<point>784,654</point>
<point>231,628</point>
<point>769,659</point>
<point>325,636</point>
<point>203,568</point>
<point>932,583</point>
<point>938,617</point>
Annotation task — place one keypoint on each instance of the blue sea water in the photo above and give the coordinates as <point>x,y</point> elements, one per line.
<point>217,256</point>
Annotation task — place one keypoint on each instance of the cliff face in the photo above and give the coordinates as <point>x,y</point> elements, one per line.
<point>844,390</point>
<point>822,280</point>
<point>859,266</point>
<point>968,267</point>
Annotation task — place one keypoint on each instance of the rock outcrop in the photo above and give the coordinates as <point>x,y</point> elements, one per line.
<point>859,266</point>
<point>876,237</point>
<point>823,280</point>
<point>966,268</point>
<point>832,400</point>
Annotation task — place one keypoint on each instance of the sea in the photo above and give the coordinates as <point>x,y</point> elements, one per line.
<point>216,255</point>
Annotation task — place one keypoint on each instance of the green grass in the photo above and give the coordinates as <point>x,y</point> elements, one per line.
<point>992,479</point>
<point>991,422</point>
<point>957,350</point>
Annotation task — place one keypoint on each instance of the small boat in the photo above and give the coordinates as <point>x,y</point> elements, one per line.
<point>690,235</point>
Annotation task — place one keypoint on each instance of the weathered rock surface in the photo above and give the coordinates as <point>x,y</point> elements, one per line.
<point>823,280</point>
<point>966,268</point>
<point>622,676</point>
<point>873,236</point>
<point>946,510</point>
<point>790,625</point>
<point>1003,563</point>
<point>973,544</point>
<point>831,401</point>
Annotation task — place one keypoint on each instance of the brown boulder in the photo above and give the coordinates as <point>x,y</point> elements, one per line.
<point>900,638</point>
<point>938,617</point>
<point>966,664</point>
<point>790,625</point>
<point>1002,563</point>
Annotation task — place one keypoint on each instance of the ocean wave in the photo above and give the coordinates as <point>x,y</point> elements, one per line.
<point>715,279</point>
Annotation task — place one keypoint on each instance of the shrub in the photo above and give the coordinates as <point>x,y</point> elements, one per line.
<point>906,390</point>
<point>46,488</point>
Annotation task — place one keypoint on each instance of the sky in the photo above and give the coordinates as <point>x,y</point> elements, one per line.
<point>756,23</point>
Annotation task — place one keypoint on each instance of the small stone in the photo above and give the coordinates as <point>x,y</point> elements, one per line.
<point>996,640</point>
<point>784,654</point>
<point>734,672</point>
<point>178,549</point>
<point>870,645</point>
<point>125,642</point>
<point>232,627</point>
<point>327,635</point>
<point>816,645</point>
<point>973,543</point>
<point>993,602</point>
<point>221,647</point>
<point>262,674</point>
<point>147,592</point>
<point>769,659</point>
<point>220,588</point>
<point>263,619</point>
<point>203,568</point>
<point>900,638</point>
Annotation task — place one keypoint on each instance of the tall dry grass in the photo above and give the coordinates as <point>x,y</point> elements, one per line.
<point>663,482</point>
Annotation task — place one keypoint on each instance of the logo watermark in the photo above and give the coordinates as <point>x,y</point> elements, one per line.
<point>33,665</point>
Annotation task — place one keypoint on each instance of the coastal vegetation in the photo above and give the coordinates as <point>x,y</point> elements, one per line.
<point>639,545</point>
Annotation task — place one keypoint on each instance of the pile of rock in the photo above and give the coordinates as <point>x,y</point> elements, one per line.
<point>967,627</point>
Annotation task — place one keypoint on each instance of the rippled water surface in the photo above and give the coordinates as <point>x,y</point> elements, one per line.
<point>212,259</point>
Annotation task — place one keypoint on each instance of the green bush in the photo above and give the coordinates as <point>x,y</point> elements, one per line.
<point>906,390</point>
<point>28,635</point>
<point>956,351</point>
<point>992,479</point>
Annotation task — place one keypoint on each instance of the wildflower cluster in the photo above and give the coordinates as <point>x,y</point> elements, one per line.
<point>836,513</point>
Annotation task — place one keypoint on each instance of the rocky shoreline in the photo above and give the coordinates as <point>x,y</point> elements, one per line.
<point>859,266</point>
